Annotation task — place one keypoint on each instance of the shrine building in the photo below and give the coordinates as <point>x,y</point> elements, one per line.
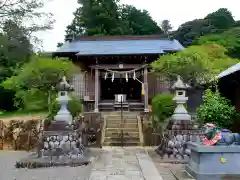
<point>115,70</point>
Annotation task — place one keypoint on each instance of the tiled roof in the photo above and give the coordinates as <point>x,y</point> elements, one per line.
<point>230,70</point>
<point>111,47</point>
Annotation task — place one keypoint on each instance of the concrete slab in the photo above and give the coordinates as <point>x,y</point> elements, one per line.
<point>147,166</point>
<point>124,163</point>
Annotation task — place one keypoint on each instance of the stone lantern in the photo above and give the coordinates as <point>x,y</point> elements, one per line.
<point>60,144</point>
<point>180,98</point>
<point>180,129</point>
<point>63,114</point>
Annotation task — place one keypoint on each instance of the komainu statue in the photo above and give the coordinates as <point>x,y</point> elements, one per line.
<point>213,135</point>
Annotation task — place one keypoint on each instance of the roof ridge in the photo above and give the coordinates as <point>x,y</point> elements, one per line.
<point>120,38</point>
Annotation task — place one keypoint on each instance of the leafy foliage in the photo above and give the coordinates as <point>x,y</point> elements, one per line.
<point>166,26</point>
<point>195,64</point>
<point>34,81</point>
<point>192,30</point>
<point>95,17</point>
<point>221,19</point>
<point>40,72</point>
<point>137,22</point>
<point>16,35</point>
<point>106,17</point>
<point>163,106</point>
<point>215,22</point>
<point>25,10</point>
<point>229,39</point>
<point>216,109</point>
<point>15,49</point>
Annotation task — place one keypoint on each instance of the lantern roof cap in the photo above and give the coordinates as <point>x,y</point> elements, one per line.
<point>63,85</point>
<point>179,84</point>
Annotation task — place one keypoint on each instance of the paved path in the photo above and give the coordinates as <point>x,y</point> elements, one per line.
<point>117,163</point>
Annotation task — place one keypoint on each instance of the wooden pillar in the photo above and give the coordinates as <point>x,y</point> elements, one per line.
<point>145,83</point>
<point>96,90</point>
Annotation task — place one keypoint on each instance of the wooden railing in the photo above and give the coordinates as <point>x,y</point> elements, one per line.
<point>151,136</point>
<point>140,130</point>
<point>103,130</point>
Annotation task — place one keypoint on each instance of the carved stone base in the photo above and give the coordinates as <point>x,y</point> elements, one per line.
<point>174,147</point>
<point>33,161</point>
<point>60,145</point>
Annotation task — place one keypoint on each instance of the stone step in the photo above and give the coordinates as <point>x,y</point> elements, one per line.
<point>118,118</point>
<point>124,115</point>
<point>119,143</point>
<point>118,113</point>
<point>115,134</point>
<point>125,139</point>
<point>115,130</point>
<point>124,121</point>
<point>124,125</point>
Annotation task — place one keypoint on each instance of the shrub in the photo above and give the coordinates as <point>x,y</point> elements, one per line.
<point>163,106</point>
<point>74,106</point>
<point>33,99</point>
<point>216,109</point>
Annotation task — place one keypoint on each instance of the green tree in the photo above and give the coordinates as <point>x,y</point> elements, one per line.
<point>215,22</point>
<point>166,26</point>
<point>195,64</point>
<point>95,17</point>
<point>108,18</point>
<point>20,11</point>
<point>192,30</point>
<point>230,39</point>
<point>15,49</point>
<point>137,22</point>
<point>34,80</point>
<point>17,23</point>
<point>221,19</point>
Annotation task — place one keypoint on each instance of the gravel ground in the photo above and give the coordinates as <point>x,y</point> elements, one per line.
<point>9,172</point>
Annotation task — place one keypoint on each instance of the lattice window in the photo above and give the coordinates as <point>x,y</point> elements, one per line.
<point>79,84</point>
<point>163,84</point>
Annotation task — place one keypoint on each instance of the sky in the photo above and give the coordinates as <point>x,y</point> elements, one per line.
<point>177,11</point>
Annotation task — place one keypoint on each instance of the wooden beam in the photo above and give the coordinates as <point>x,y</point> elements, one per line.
<point>116,66</point>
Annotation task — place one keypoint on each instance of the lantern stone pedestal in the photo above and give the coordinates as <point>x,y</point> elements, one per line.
<point>180,130</point>
<point>61,142</point>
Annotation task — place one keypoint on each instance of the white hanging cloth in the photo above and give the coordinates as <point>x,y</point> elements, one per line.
<point>126,77</point>
<point>112,77</point>
<point>134,75</point>
<point>105,77</point>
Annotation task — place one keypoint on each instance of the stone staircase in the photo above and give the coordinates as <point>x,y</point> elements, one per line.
<point>123,132</point>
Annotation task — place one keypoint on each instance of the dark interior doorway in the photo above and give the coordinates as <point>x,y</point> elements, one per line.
<point>132,88</point>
